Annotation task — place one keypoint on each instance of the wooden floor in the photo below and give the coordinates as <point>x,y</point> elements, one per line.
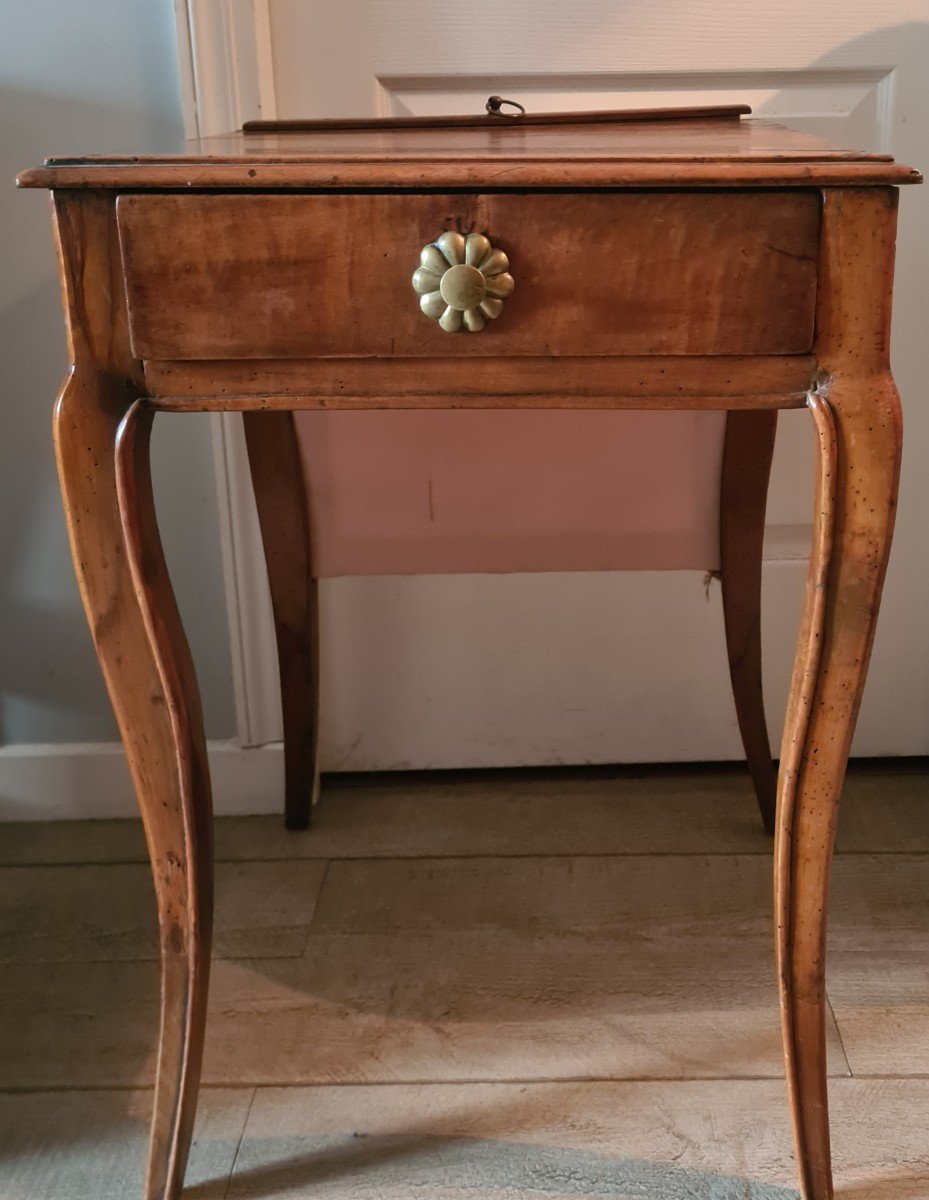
<point>503,987</point>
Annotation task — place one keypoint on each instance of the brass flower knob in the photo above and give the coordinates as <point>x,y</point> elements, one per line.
<point>461,281</point>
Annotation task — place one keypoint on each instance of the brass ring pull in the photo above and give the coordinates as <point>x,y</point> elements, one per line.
<point>462,281</point>
<point>495,105</point>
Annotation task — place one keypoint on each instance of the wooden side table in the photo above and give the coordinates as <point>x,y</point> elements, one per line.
<point>704,262</point>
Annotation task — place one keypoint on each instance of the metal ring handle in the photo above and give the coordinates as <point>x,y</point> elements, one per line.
<point>495,105</point>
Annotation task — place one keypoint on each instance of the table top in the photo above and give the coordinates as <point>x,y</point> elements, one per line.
<point>726,151</point>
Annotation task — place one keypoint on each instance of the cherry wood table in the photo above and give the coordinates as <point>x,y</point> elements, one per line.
<point>709,262</point>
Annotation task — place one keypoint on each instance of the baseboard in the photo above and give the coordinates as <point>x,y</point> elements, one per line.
<point>91,781</point>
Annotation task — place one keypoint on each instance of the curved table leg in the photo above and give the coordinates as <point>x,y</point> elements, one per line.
<point>284,514</point>
<point>857,414</point>
<point>142,651</point>
<point>180,834</point>
<point>149,675</point>
<point>747,453</point>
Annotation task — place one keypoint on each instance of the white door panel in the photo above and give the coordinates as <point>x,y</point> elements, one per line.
<point>480,670</point>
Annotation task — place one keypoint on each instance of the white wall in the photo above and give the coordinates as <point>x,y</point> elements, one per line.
<point>97,75</point>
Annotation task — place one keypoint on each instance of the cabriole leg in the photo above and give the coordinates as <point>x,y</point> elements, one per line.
<point>178,819</point>
<point>857,415</point>
<point>101,443</point>
<point>149,675</point>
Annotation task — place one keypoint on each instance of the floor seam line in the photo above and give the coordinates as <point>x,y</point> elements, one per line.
<point>521,1081</point>
<point>838,1030</point>
<point>316,906</point>
<point>235,1157</point>
<point>418,857</point>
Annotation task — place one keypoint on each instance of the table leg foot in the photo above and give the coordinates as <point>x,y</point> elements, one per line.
<point>284,515</point>
<point>747,453</point>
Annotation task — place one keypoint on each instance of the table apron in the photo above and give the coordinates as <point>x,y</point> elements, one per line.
<point>722,382</point>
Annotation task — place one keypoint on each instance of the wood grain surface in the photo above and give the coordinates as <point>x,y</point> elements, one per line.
<point>142,652</point>
<point>699,153</point>
<point>857,412</point>
<point>305,276</point>
<point>576,382</point>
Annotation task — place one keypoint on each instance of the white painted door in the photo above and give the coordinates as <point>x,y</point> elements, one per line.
<point>471,670</point>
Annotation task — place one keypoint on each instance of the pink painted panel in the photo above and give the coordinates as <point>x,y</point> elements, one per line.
<point>422,493</point>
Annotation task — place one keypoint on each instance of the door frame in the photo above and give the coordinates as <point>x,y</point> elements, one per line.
<point>224,56</point>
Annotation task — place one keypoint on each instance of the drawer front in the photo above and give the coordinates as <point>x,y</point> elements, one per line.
<point>628,273</point>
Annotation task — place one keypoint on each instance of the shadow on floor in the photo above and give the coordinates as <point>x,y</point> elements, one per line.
<point>403,1165</point>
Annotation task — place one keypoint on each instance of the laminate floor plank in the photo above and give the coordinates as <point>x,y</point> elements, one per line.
<point>708,1140</point>
<point>726,897</point>
<point>885,810</point>
<point>50,843</point>
<point>99,913</point>
<point>643,813</point>
<point>456,969</point>
<point>371,1008</point>
<point>654,810</point>
<point>877,969</point>
<point>516,968</point>
<point>374,1008</point>
<point>88,1145</point>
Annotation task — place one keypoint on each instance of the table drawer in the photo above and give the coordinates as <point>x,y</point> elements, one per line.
<point>627,273</point>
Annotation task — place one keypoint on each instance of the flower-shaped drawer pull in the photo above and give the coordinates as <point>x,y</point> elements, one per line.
<point>462,281</point>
